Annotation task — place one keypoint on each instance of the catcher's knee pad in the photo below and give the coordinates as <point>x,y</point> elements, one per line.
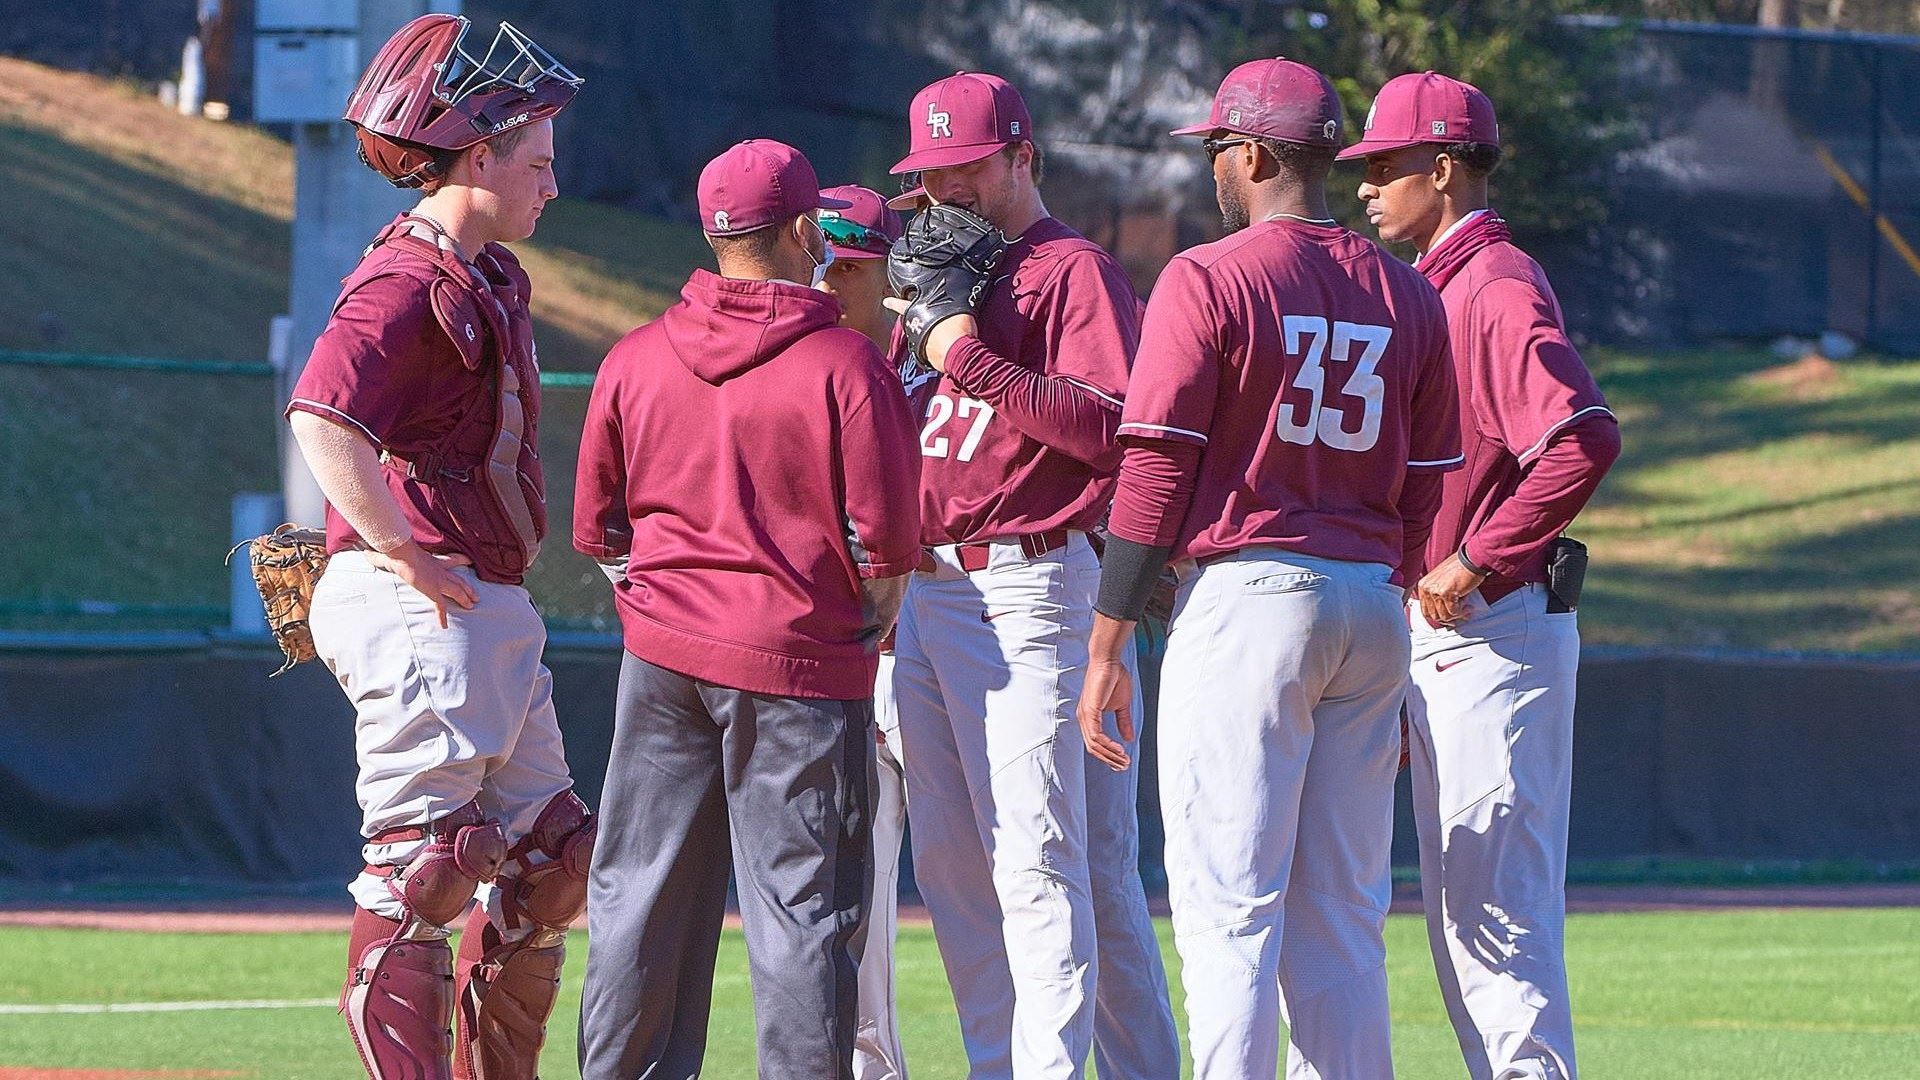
<point>550,892</point>
<point>463,849</point>
<point>399,997</point>
<point>507,988</point>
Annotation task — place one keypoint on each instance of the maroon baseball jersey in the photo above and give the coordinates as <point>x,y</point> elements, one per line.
<point>754,461</point>
<point>387,367</point>
<point>1313,368</point>
<point>1004,454</point>
<point>1521,384</point>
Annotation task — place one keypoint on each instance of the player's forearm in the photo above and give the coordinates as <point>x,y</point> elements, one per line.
<point>1110,637</point>
<point>1419,502</point>
<point>348,470</point>
<point>1550,495</point>
<point>1062,414</point>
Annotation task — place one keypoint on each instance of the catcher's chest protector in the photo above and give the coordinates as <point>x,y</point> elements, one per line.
<point>485,474</point>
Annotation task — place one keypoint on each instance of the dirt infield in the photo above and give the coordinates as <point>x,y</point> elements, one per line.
<point>280,916</point>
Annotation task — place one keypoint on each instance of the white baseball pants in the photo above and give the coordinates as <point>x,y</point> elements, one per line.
<point>441,717</point>
<point>1492,761</point>
<point>987,671</point>
<point>876,1048</point>
<point>1134,1035</point>
<point>1279,736</point>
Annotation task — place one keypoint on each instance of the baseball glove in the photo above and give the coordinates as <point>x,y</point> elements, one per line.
<point>287,564</point>
<point>941,266</point>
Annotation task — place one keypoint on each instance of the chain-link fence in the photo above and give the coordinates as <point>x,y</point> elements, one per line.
<point>1774,192</point>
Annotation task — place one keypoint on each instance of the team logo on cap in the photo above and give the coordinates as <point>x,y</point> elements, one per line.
<point>1371,110</point>
<point>1330,130</point>
<point>1013,127</point>
<point>939,123</point>
<point>1439,127</point>
<point>1233,116</point>
<point>720,220</point>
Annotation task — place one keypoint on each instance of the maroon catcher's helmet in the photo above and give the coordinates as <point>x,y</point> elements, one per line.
<point>425,94</point>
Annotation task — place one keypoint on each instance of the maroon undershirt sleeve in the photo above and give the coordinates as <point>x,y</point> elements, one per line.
<point>1157,479</point>
<point>1551,494</point>
<point>1419,502</point>
<point>1057,412</point>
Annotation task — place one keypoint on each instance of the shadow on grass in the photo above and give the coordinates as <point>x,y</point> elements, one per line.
<point>129,260</point>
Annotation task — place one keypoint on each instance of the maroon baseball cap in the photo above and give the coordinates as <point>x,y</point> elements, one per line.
<point>961,119</point>
<point>873,230</point>
<point>1275,99</point>
<point>1425,108</point>
<point>758,183</point>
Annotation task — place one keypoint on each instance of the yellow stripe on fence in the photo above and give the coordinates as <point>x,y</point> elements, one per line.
<point>1859,195</point>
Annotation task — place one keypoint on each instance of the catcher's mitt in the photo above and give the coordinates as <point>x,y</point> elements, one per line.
<point>941,265</point>
<point>287,564</point>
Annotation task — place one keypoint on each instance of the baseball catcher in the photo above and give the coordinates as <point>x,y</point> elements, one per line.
<point>418,413</point>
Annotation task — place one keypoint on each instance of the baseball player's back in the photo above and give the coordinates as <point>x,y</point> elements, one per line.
<point>1320,349</point>
<point>1291,408</point>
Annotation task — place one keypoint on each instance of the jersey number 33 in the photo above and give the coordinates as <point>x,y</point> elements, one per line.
<point>1309,339</point>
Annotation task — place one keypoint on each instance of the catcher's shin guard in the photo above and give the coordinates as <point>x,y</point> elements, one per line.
<point>398,1000</point>
<point>506,987</point>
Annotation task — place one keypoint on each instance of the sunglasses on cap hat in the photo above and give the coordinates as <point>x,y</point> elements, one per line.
<point>851,234</point>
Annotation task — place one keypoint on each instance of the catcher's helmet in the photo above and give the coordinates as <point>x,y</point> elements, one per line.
<point>425,94</point>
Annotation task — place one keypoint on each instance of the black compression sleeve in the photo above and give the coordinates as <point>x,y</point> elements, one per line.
<point>1128,574</point>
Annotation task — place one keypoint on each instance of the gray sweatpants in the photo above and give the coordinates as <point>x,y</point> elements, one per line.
<point>701,778</point>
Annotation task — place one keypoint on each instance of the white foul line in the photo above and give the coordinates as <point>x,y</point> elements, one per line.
<point>166,1006</point>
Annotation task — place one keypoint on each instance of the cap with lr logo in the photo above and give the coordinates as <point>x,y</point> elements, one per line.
<point>940,123</point>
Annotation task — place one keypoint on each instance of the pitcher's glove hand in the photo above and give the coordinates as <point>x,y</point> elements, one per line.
<point>287,564</point>
<point>941,266</point>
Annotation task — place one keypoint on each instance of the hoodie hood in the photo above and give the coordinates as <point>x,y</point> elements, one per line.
<point>723,326</point>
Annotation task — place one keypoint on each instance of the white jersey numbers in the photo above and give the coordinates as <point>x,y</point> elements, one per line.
<point>1306,337</point>
<point>943,408</point>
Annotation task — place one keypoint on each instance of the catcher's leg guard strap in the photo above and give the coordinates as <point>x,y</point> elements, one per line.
<point>398,999</point>
<point>507,987</point>
<point>463,849</point>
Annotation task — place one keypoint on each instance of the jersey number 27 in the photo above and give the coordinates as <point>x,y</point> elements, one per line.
<point>939,411</point>
<point>1307,337</point>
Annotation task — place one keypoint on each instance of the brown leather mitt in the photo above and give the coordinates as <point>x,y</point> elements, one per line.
<point>287,564</point>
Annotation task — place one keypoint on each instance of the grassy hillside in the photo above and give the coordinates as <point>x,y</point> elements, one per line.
<point>141,231</point>
<point>1754,507</point>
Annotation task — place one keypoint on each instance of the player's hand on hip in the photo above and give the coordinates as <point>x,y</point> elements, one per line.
<point>1444,590</point>
<point>1108,689</point>
<point>430,575</point>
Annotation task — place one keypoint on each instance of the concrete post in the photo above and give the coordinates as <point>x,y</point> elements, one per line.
<point>255,513</point>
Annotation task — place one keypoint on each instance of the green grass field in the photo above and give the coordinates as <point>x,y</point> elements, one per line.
<point>1741,995</point>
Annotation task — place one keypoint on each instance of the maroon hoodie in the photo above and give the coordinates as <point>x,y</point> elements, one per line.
<point>754,460</point>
